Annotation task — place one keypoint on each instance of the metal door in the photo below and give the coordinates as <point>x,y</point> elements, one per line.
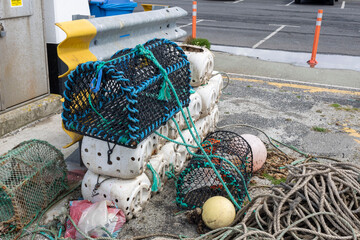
<point>23,69</point>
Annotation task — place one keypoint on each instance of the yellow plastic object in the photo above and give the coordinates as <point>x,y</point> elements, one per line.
<point>83,95</point>
<point>218,212</point>
<point>75,48</point>
<point>149,7</point>
<point>75,137</point>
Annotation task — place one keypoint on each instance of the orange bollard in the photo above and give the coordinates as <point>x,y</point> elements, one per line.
<point>312,62</point>
<point>194,19</point>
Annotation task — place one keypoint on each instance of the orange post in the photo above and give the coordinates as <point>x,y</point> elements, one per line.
<point>312,62</point>
<point>194,19</point>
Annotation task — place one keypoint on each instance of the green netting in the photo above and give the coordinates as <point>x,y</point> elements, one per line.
<point>231,156</point>
<point>31,176</point>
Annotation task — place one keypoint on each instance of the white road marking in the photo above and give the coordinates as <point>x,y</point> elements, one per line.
<point>237,1</point>
<point>198,21</point>
<point>283,25</point>
<point>290,3</point>
<point>343,5</point>
<point>268,37</point>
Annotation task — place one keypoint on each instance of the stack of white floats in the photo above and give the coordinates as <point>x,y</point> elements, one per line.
<point>126,176</point>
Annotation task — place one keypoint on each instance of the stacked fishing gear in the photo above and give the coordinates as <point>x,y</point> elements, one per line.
<point>230,156</point>
<point>32,175</point>
<point>133,111</point>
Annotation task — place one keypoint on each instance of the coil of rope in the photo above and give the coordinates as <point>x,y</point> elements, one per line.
<point>318,201</point>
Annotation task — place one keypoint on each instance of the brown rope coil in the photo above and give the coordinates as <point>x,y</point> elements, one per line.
<point>317,201</point>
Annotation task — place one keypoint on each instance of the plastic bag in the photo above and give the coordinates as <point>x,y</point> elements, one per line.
<point>94,219</point>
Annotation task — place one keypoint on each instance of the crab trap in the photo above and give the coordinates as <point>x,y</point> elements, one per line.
<point>231,156</point>
<point>31,177</point>
<point>125,99</point>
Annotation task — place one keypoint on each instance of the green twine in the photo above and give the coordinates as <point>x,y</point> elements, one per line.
<point>95,110</point>
<point>171,173</point>
<point>156,179</point>
<point>164,93</point>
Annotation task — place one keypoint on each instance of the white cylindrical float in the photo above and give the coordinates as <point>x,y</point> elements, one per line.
<point>130,195</point>
<point>168,153</point>
<point>201,63</point>
<point>209,96</point>
<point>156,172</point>
<point>214,118</point>
<point>217,81</point>
<point>114,160</point>
<point>195,107</point>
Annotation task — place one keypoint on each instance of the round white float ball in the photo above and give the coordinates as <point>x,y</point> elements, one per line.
<point>218,212</point>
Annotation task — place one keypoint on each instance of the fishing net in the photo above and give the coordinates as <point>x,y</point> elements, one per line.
<point>31,176</point>
<point>127,98</point>
<point>231,156</point>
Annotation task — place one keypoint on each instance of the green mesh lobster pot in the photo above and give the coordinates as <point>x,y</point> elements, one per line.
<point>31,176</point>
<point>231,156</point>
<point>125,99</point>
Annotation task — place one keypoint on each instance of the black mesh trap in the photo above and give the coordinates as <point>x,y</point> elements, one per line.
<point>118,100</point>
<point>198,182</point>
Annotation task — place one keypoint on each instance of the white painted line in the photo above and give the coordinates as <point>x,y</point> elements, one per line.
<point>268,37</point>
<point>283,25</point>
<point>290,3</point>
<point>343,5</point>
<point>189,24</point>
<point>237,1</point>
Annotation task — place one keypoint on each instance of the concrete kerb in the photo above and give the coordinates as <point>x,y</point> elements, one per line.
<point>226,62</point>
<point>26,114</point>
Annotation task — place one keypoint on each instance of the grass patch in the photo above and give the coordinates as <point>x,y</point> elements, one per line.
<point>348,109</point>
<point>202,42</point>
<point>273,180</point>
<point>319,129</point>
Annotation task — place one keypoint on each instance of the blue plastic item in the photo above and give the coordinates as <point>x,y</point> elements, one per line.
<point>103,8</point>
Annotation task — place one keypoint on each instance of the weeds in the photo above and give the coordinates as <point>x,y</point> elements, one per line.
<point>319,129</point>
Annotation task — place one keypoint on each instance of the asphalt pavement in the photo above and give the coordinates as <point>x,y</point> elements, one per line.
<point>275,24</point>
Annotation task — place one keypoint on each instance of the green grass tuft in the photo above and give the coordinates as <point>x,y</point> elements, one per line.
<point>203,42</point>
<point>273,180</point>
<point>319,129</point>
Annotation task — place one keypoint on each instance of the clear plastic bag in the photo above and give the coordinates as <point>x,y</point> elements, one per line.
<point>94,219</point>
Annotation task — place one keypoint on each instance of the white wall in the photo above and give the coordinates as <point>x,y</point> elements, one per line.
<point>61,11</point>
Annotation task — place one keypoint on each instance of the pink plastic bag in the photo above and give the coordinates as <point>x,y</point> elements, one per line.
<point>91,218</point>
